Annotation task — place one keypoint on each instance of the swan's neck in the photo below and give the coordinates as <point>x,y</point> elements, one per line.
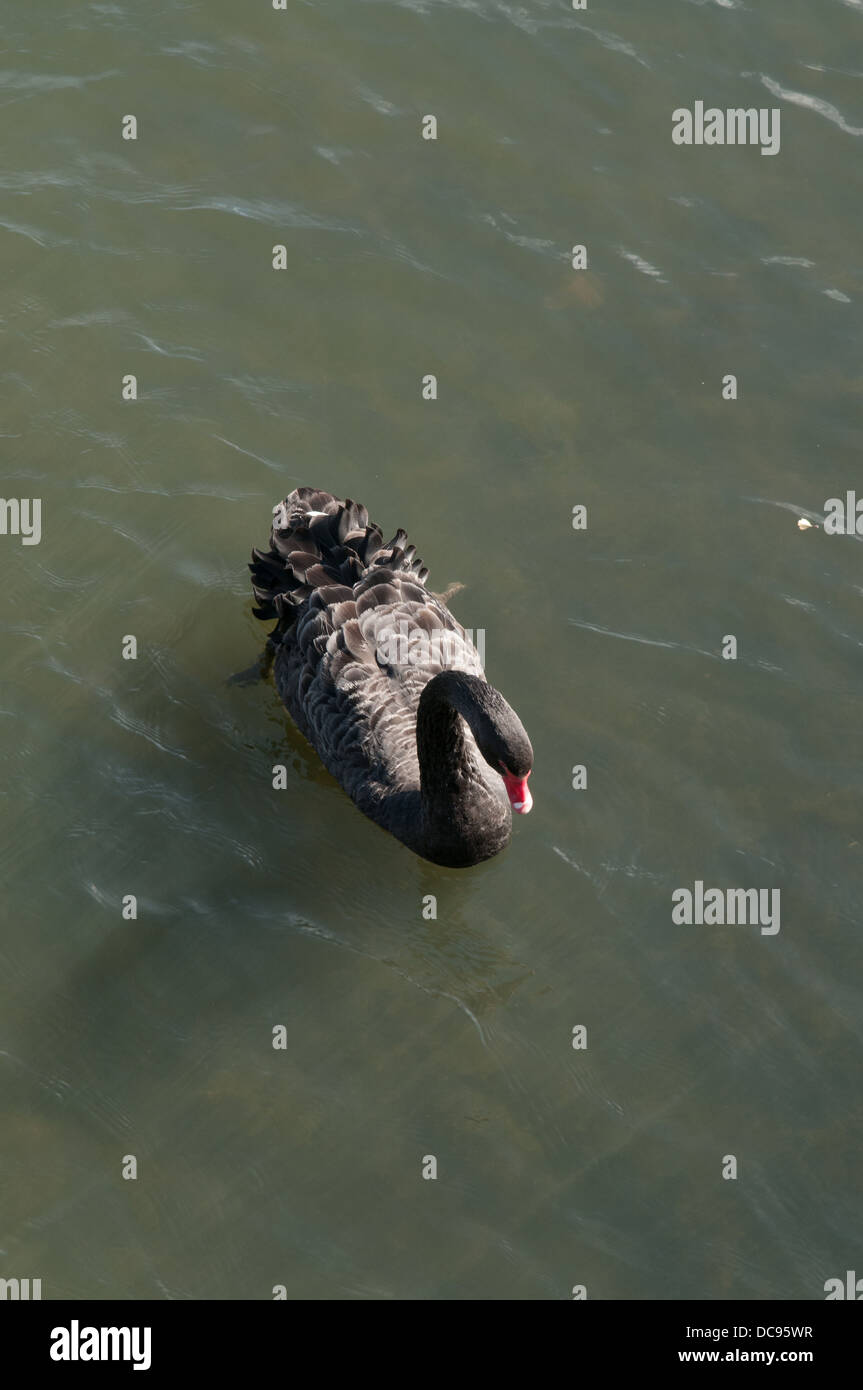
<point>446,766</point>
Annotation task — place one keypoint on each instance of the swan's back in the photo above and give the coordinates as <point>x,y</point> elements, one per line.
<point>357,638</point>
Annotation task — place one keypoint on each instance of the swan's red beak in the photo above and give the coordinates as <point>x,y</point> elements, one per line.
<point>518,793</point>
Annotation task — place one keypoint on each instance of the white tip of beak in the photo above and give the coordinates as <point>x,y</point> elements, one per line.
<point>523,806</point>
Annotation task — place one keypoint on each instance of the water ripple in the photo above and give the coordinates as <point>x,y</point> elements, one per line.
<point>260,210</point>
<point>38,83</point>
<point>817,104</point>
<point>641,264</point>
<point>645,641</point>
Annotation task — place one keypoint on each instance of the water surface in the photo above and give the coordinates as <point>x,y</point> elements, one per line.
<point>408,1037</point>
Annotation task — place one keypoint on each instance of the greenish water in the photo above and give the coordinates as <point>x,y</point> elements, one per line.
<point>407,1037</point>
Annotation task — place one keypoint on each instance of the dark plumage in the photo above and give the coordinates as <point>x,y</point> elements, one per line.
<point>385,684</point>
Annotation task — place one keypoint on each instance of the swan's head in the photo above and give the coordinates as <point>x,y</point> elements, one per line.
<point>504,744</point>
<point>512,756</point>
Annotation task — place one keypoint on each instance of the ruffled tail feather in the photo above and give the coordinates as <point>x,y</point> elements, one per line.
<point>317,541</point>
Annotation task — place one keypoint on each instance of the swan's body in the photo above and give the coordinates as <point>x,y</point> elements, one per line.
<point>386,685</point>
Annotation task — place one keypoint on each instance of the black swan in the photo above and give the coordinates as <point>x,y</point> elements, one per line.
<point>386,685</point>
